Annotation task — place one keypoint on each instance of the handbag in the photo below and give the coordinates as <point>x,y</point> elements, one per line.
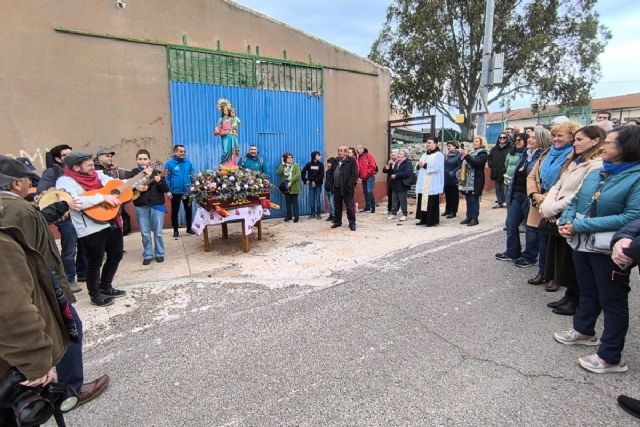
<point>548,227</point>
<point>284,186</point>
<point>599,242</point>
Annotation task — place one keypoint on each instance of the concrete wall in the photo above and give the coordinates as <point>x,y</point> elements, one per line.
<point>91,92</point>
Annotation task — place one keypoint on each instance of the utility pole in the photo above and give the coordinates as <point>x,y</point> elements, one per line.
<point>486,67</point>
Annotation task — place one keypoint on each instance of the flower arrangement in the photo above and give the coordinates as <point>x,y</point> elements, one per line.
<point>236,186</point>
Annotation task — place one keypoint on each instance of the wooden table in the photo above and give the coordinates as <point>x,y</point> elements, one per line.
<point>249,216</point>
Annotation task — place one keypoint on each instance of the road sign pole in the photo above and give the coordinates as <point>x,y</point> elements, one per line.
<point>486,64</point>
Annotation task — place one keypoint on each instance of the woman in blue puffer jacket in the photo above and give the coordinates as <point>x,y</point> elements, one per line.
<point>608,199</point>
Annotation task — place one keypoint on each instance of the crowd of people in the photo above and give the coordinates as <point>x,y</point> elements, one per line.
<point>576,190</point>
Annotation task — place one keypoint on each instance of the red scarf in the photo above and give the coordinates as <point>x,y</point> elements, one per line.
<point>87,182</point>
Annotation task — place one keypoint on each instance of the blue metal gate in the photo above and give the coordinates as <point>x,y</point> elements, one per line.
<point>275,121</point>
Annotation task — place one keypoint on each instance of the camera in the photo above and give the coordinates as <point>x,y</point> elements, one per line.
<point>35,405</point>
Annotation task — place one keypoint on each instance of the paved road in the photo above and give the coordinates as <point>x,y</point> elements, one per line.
<point>440,335</point>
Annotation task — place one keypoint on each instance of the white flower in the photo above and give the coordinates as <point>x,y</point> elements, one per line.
<point>232,178</point>
<point>246,186</point>
<point>224,185</point>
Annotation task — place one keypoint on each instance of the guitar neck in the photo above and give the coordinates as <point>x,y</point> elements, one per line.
<point>133,181</point>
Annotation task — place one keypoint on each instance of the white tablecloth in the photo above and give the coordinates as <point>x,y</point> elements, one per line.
<point>250,214</point>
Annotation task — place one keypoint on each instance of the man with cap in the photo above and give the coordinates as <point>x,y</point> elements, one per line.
<point>73,257</point>
<point>98,239</point>
<point>104,162</point>
<point>17,212</point>
<point>28,305</point>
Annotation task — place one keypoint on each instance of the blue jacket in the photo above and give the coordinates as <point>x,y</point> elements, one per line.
<point>179,176</point>
<point>253,163</point>
<point>619,202</point>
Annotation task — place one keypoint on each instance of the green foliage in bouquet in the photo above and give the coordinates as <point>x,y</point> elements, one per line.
<point>236,185</point>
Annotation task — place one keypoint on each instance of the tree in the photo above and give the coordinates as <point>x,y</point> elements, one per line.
<point>434,51</point>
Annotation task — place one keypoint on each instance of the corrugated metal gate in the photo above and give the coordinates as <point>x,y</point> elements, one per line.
<point>286,116</point>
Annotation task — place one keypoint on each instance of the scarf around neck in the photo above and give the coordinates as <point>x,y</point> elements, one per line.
<point>616,168</point>
<point>87,182</point>
<point>552,165</point>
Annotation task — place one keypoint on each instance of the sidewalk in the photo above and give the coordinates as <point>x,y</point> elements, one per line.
<point>308,253</point>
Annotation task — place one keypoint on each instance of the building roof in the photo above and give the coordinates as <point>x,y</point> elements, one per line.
<point>611,103</point>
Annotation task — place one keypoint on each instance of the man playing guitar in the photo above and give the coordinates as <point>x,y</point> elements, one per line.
<point>98,238</point>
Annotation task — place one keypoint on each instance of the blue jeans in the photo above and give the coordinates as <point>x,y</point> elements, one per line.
<point>518,210</point>
<point>315,199</point>
<point>473,206</point>
<point>543,238</point>
<point>332,208</point>
<point>150,221</point>
<point>500,191</point>
<point>70,370</point>
<point>367,190</point>
<point>69,243</point>
<point>604,287</point>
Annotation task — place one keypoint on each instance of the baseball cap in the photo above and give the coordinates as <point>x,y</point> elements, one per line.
<point>105,151</point>
<point>76,157</point>
<point>12,169</point>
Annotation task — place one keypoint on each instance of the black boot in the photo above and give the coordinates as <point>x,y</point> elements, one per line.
<point>465,221</point>
<point>567,309</point>
<point>330,218</point>
<point>630,405</point>
<point>561,301</point>
<point>472,222</point>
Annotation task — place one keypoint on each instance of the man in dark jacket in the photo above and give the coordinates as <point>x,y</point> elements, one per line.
<point>19,213</point>
<point>626,252</point>
<point>104,162</point>
<point>28,305</point>
<point>313,176</point>
<point>150,208</point>
<point>496,161</point>
<point>343,178</point>
<point>73,257</point>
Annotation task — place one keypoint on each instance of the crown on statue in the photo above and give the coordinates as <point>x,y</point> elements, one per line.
<point>222,103</point>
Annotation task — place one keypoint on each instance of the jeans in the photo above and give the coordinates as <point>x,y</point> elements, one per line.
<point>70,369</point>
<point>332,207</point>
<point>473,206</point>
<point>517,211</point>
<point>69,243</point>
<point>399,202</point>
<point>604,287</point>
<point>291,202</point>
<point>500,191</point>
<point>175,210</point>
<point>150,221</point>
<point>315,199</point>
<point>543,239</point>
<point>107,241</point>
<point>367,189</point>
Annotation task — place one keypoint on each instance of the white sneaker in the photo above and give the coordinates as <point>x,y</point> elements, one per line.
<point>391,217</point>
<point>403,218</point>
<point>572,337</point>
<point>595,364</point>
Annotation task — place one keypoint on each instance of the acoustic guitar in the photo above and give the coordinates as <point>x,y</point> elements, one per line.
<point>104,212</point>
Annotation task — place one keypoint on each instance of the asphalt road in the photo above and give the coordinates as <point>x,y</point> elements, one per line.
<point>439,335</point>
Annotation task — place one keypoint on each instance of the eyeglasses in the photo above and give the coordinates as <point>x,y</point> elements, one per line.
<point>502,137</point>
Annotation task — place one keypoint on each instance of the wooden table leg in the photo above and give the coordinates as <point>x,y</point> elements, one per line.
<point>207,245</point>
<point>259,230</point>
<point>246,243</point>
<point>225,231</point>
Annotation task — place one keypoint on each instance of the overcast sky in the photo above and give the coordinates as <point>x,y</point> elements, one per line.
<point>354,25</point>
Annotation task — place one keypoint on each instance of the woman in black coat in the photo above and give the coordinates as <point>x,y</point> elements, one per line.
<point>471,180</point>
<point>452,164</point>
<point>402,171</point>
